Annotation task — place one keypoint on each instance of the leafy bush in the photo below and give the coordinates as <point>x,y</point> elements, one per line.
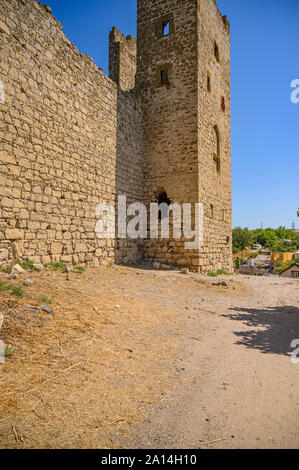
<point>79,269</point>
<point>219,272</point>
<point>5,269</point>
<point>9,352</point>
<point>44,298</point>
<point>15,290</point>
<point>58,266</point>
<point>223,272</point>
<point>212,274</point>
<point>27,264</point>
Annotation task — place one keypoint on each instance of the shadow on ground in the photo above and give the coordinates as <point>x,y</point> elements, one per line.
<point>273,328</point>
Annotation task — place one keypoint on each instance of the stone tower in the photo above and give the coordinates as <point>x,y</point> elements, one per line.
<point>183,77</point>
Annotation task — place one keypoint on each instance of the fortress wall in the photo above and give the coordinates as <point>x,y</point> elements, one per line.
<point>69,139</point>
<point>122,59</point>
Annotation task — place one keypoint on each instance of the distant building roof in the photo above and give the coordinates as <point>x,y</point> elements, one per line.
<point>290,267</point>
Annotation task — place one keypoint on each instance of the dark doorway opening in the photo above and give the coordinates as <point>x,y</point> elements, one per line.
<point>162,198</point>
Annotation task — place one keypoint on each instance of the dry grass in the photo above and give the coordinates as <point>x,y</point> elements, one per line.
<point>80,378</point>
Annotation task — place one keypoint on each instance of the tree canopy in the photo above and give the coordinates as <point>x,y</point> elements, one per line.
<point>280,239</point>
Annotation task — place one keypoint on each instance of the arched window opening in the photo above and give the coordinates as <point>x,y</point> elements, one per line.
<point>162,198</point>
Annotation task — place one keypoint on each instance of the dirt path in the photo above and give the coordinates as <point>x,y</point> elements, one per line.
<point>246,388</point>
<point>151,359</point>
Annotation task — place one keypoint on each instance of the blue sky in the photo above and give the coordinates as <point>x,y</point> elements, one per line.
<point>265,123</point>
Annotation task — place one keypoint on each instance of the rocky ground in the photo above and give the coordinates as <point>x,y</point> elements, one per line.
<point>144,358</point>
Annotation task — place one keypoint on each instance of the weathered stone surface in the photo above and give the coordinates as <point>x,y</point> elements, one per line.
<point>38,267</point>
<point>220,284</point>
<point>5,157</point>
<point>17,249</point>
<point>165,266</point>
<point>185,271</point>
<point>14,234</point>
<point>17,269</point>
<point>3,28</point>
<point>181,117</point>
<point>3,254</point>
<point>45,308</point>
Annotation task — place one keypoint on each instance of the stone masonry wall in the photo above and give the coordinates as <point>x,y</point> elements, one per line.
<point>180,142</point>
<point>170,112</point>
<point>122,59</point>
<point>70,138</point>
<point>214,185</point>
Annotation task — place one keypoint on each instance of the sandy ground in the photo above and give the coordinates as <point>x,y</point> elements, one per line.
<point>138,358</point>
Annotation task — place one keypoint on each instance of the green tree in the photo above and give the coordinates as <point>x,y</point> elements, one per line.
<point>286,234</point>
<point>242,238</point>
<point>267,237</point>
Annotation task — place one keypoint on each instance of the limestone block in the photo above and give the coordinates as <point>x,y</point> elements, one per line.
<point>14,234</point>
<point>56,248</point>
<point>17,249</point>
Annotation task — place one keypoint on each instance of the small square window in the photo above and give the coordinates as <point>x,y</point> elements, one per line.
<point>165,28</point>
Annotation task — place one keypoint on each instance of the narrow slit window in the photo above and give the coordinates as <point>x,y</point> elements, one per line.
<point>216,148</point>
<point>223,103</point>
<point>216,138</point>
<point>216,159</point>
<point>209,86</point>
<point>212,211</point>
<point>165,28</point>
<point>216,51</point>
